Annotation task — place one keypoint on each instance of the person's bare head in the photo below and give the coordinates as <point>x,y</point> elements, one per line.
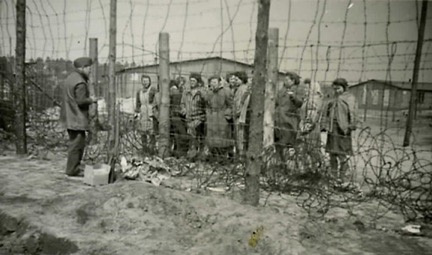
<point>145,81</point>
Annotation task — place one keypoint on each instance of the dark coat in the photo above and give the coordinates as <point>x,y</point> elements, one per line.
<point>219,112</point>
<point>74,114</point>
<point>287,115</point>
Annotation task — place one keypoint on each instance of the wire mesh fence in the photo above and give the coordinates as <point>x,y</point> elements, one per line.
<point>321,41</point>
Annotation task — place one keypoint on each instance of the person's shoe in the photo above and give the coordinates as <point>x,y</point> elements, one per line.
<point>79,172</point>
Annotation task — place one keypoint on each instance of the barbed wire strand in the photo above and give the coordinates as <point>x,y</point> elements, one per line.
<point>184,30</point>
<point>343,36</point>
<point>232,29</point>
<point>286,34</point>
<point>365,26</point>
<point>308,36</point>
<point>319,39</point>
<point>144,24</point>
<point>251,32</point>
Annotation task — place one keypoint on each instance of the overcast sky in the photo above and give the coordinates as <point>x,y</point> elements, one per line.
<point>201,28</point>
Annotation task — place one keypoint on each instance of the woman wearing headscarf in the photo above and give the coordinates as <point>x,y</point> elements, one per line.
<point>289,99</point>
<point>339,120</point>
<point>219,113</point>
<point>144,113</point>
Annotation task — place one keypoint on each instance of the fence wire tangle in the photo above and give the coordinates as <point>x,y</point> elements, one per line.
<point>380,170</point>
<point>400,178</point>
<point>397,177</point>
<point>371,43</point>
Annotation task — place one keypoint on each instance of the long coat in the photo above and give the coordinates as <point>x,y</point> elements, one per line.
<point>240,110</point>
<point>287,115</point>
<point>340,119</point>
<point>219,112</point>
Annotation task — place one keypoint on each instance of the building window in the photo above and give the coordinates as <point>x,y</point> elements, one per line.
<point>386,99</point>
<point>375,98</point>
<point>364,95</point>
<point>136,77</point>
<point>420,97</point>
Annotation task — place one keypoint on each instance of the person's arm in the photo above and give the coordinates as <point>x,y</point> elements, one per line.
<point>229,105</point>
<point>239,100</point>
<point>81,95</point>
<point>324,116</point>
<point>152,94</point>
<point>183,103</point>
<point>138,102</point>
<point>296,99</point>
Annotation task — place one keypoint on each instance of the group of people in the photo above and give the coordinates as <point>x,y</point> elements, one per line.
<point>204,119</point>
<point>302,113</point>
<point>214,120</point>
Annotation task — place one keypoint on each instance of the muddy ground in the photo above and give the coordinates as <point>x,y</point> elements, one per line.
<point>43,212</point>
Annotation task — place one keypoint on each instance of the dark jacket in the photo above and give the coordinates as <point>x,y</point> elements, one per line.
<point>175,102</point>
<point>74,113</point>
<point>287,109</point>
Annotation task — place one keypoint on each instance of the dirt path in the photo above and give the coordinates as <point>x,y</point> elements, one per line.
<point>43,212</point>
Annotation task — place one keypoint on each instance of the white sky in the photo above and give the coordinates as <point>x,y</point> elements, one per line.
<point>200,28</point>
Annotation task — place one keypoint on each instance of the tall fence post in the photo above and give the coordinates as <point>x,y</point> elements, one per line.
<point>164,121</point>
<point>253,164</point>
<point>92,88</point>
<point>270,87</point>
<point>413,101</point>
<point>20,87</point>
<point>111,103</point>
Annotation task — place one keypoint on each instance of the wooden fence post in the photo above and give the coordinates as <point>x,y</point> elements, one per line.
<point>20,87</point>
<point>270,87</point>
<point>253,164</point>
<point>413,101</point>
<point>111,103</point>
<point>92,88</point>
<point>164,91</point>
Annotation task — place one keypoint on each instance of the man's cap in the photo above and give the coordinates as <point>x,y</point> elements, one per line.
<point>83,62</point>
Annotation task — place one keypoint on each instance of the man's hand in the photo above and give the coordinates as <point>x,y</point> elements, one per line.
<point>94,99</point>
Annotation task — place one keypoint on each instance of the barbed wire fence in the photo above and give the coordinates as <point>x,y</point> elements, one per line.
<point>353,42</point>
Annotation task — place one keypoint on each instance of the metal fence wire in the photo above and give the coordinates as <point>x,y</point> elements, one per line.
<point>321,41</point>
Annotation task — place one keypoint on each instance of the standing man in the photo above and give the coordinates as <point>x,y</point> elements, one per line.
<point>74,114</point>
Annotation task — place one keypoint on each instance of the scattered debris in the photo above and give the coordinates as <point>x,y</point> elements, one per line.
<point>150,169</point>
<point>411,229</point>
